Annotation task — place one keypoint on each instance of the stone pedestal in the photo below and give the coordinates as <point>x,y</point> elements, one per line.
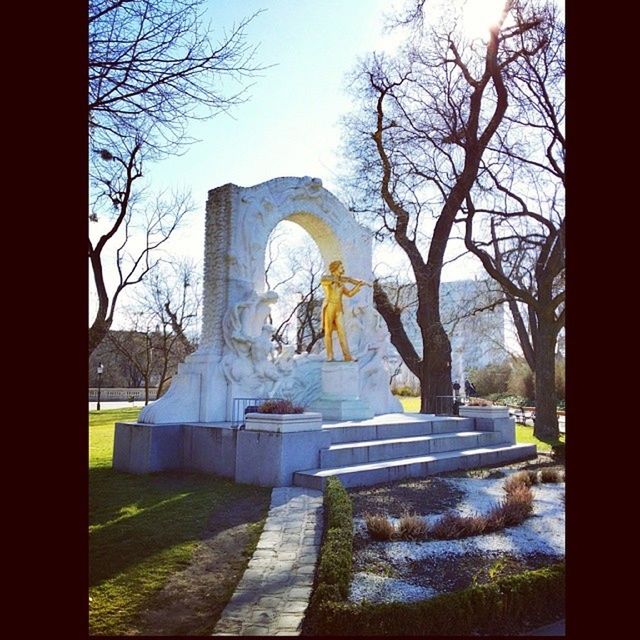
<point>272,447</point>
<point>340,397</point>
<point>495,418</point>
<point>283,423</point>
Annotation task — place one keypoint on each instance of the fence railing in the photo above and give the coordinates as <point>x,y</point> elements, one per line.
<point>122,393</point>
<point>242,406</point>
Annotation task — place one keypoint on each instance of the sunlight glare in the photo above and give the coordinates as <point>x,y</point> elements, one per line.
<point>478,16</point>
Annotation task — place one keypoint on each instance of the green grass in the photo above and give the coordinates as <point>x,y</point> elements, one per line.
<point>101,424</point>
<point>524,433</point>
<point>410,404</point>
<point>142,529</point>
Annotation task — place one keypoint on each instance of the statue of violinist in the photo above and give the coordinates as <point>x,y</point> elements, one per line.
<point>332,313</point>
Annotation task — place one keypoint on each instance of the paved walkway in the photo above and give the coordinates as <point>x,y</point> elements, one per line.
<point>273,594</point>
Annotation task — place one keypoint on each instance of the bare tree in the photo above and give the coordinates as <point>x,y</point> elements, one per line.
<point>154,65</point>
<point>171,298</point>
<point>137,347</point>
<point>162,316</point>
<point>294,272</point>
<point>113,194</point>
<point>428,118</point>
<point>515,216</point>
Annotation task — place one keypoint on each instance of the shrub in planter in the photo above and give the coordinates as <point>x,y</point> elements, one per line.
<point>480,402</point>
<point>279,406</point>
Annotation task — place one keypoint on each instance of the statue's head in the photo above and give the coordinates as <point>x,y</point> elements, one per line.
<point>335,266</point>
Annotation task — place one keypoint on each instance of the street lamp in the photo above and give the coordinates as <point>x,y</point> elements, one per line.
<point>100,370</point>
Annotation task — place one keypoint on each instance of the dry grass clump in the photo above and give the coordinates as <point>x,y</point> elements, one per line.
<point>412,527</point>
<point>513,510</point>
<point>495,518</point>
<point>518,506</point>
<point>521,478</point>
<point>452,526</point>
<point>380,527</point>
<point>551,475</point>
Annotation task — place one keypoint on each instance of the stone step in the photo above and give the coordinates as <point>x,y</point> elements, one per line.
<point>414,467</point>
<point>352,453</point>
<point>395,425</point>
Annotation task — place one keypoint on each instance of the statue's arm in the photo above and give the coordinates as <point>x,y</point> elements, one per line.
<point>352,292</point>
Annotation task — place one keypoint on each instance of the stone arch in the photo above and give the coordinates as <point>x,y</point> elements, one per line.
<point>238,223</point>
<point>320,232</point>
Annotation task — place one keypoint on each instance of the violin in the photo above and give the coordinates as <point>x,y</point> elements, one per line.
<point>354,281</point>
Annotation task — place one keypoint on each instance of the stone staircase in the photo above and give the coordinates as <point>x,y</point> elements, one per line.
<point>397,446</point>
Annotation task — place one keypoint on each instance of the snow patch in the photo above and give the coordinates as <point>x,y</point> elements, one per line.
<point>541,533</point>
<point>375,588</point>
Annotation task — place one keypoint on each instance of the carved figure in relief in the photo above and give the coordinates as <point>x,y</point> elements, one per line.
<point>248,340</point>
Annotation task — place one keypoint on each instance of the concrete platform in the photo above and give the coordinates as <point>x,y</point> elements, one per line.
<point>381,449</point>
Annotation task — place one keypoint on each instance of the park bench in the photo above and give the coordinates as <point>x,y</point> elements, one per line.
<point>522,413</point>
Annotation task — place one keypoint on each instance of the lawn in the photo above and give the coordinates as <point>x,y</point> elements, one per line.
<point>524,433</point>
<point>144,529</point>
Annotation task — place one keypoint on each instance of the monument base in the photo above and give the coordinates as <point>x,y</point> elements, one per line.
<point>340,397</point>
<point>342,409</point>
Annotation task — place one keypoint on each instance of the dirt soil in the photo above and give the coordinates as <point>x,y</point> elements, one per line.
<point>193,599</point>
<point>431,496</point>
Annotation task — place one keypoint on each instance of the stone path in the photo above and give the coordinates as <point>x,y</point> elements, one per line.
<point>273,594</point>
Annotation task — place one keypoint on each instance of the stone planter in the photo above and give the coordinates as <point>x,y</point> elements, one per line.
<point>467,411</point>
<point>493,418</point>
<point>283,422</point>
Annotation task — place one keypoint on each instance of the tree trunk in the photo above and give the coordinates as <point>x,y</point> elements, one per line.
<point>399,338</point>
<point>97,333</point>
<point>436,369</point>
<point>435,378</point>
<point>546,421</point>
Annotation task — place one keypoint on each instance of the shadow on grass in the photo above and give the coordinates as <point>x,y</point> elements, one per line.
<point>135,517</point>
<point>114,494</point>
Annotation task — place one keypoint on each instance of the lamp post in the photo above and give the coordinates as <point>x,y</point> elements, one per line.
<point>100,370</point>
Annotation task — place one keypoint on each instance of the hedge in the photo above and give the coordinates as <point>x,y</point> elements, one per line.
<point>333,575</point>
<point>506,606</point>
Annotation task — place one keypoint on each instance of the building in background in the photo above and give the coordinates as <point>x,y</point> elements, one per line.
<point>477,332</point>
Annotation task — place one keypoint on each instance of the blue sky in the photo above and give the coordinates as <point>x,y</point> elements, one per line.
<point>290,125</point>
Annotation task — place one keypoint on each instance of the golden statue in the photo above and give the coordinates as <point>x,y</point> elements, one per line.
<point>332,313</point>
